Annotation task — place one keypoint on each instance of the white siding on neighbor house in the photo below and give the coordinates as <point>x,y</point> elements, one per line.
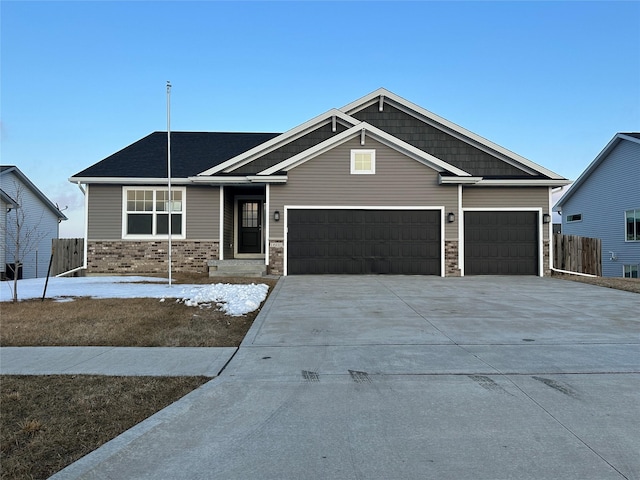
<point>602,199</point>
<point>3,235</point>
<point>38,219</point>
<point>326,180</point>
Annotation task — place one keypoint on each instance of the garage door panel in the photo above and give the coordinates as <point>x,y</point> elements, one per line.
<point>363,241</point>
<point>501,243</point>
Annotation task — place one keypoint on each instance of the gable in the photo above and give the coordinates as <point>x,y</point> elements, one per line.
<point>290,149</point>
<point>437,142</point>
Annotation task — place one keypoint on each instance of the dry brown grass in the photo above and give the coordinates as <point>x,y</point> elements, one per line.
<point>48,422</point>
<point>626,284</point>
<point>132,322</point>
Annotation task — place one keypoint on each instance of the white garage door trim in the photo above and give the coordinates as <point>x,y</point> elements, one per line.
<point>362,207</point>
<point>514,209</point>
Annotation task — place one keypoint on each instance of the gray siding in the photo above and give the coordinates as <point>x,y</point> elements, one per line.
<point>3,235</point>
<point>326,181</point>
<point>612,188</point>
<point>39,221</point>
<point>508,197</point>
<point>105,212</point>
<point>203,213</point>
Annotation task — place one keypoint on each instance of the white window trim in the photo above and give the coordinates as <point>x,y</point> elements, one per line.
<point>126,236</point>
<point>630,265</point>
<point>353,161</point>
<point>637,239</point>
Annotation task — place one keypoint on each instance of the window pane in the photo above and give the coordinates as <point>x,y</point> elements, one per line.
<point>250,214</point>
<point>637,214</point>
<point>631,234</point>
<point>139,224</point>
<point>161,201</point>
<point>162,224</point>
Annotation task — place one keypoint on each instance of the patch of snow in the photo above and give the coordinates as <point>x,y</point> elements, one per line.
<point>234,300</point>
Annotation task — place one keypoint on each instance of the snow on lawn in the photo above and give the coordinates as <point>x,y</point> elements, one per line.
<point>232,299</point>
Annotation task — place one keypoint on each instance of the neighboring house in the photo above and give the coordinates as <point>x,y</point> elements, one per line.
<point>604,202</point>
<point>41,220</point>
<point>378,186</point>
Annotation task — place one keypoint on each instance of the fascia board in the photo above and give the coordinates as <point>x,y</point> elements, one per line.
<point>456,129</point>
<point>458,180</point>
<point>267,179</point>
<point>374,133</point>
<point>276,142</point>
<point>591,167</point>
<point>220,179</point>
<point>129,180</point>
<point>8,200</point>
<point>36,191</point>
<point>544,182</point>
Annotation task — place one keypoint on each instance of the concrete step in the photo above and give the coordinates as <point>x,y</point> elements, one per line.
<point>237,268</point>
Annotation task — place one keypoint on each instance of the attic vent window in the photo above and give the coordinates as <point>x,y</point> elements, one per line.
<point>363,162</point>
<point>576,217</point>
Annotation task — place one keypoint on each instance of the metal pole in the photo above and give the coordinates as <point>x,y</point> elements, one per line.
<point>169,169</point>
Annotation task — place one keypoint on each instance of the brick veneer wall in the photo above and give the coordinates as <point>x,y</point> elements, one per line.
<point>276,258</point>
<point>140,257</point>
<point>451,268</point>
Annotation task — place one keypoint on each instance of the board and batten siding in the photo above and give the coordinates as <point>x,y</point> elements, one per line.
<point>507,198</point>
<point>326,180</point>
<point>602,199</point>
<point>105,212</point>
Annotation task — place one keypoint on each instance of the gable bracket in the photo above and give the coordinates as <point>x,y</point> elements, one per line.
<point>333,123</point>
<point>381,104</point>
<point>362,136</point>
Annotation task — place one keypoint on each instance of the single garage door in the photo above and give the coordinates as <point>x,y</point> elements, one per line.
<point>363,242</point>
<point>501,243</point>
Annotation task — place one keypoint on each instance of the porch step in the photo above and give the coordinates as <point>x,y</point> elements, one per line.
<point>237,268</point>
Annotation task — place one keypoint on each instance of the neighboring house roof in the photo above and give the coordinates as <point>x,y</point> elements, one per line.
<point>459,155</point>
<point>6,169</point>
<point>618,137</point>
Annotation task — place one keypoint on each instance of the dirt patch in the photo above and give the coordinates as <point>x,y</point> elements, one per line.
<point>626,284</point>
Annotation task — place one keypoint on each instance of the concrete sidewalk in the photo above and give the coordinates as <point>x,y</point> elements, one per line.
<point>152,361</point>
<point>408,377</point>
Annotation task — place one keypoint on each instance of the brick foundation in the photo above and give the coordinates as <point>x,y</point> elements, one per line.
<point>144,257</point>
<point>276,258</point>
<point>451,268</point>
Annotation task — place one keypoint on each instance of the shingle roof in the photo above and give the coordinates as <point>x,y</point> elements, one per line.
<point>191,153</point>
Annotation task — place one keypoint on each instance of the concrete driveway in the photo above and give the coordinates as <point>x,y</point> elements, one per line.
<point>381,377</point>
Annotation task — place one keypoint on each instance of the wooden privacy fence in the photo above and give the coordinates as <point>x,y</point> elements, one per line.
<point>577,254</point>
<point>68,253</point>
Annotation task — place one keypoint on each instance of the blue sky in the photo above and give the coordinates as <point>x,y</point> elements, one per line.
<point>552,81</point>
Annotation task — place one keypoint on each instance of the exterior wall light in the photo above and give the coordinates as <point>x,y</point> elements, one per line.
<point>276,216</point>
<point>451,217</point>
<point>546,218</point>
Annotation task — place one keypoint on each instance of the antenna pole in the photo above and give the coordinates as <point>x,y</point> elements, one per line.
<point>169,171</point>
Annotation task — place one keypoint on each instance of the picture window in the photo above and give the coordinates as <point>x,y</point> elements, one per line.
<point>576,217</point>
<point>146,212</point>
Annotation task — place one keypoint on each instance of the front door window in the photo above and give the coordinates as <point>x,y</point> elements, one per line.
<point>249,226</point>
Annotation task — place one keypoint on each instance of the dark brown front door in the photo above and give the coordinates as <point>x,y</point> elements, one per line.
<point>249,226</point>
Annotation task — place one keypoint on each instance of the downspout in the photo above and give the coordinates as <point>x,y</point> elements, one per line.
<point>86,230</point>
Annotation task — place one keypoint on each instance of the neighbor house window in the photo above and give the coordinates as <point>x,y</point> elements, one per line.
<point>576,217</point>
<point>632,225</point>
<point>146,212</point>
<point>631,271</point>
<point>363,162</point>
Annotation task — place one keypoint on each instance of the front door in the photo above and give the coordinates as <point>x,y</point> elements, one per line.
<point>250,226</point>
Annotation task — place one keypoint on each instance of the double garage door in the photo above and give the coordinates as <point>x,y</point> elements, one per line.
<point>334,241</point>
<point>363,241</point>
